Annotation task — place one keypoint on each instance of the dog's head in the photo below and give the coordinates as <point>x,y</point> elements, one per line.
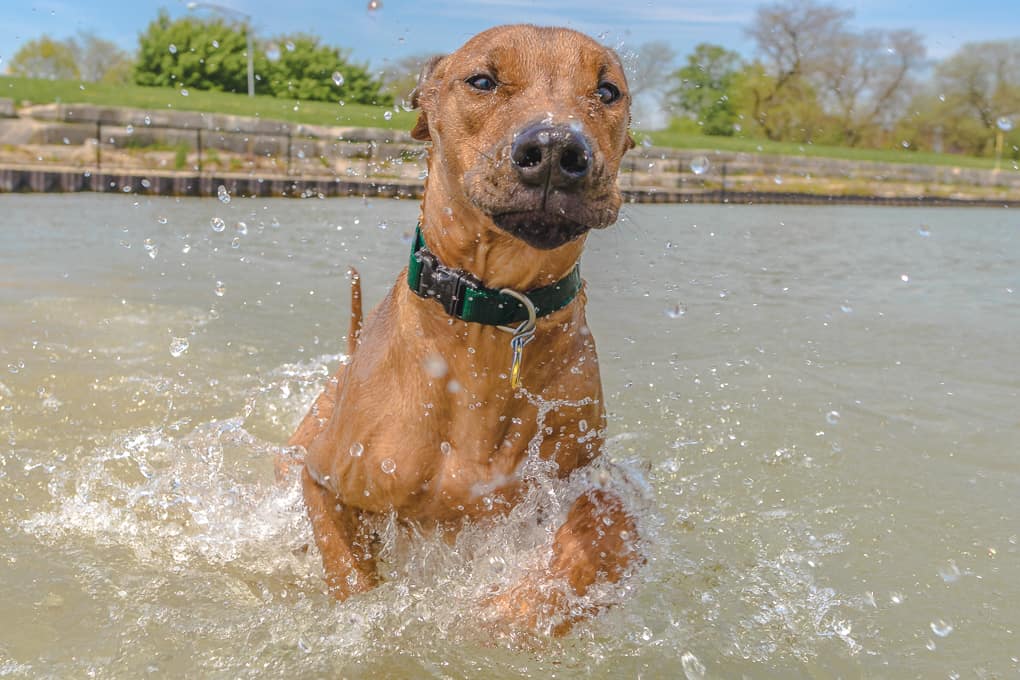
<point>529,125</point>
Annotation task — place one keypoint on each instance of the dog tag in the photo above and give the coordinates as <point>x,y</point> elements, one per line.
<point>517,343</point>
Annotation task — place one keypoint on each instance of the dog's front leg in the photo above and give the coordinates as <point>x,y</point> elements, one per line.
<point>343,541</point>
<point>598,541</point>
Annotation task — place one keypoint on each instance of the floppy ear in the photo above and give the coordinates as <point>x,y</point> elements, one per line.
<point>421,128</point>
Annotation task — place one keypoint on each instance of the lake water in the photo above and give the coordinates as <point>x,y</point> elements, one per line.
<point>824,402</point>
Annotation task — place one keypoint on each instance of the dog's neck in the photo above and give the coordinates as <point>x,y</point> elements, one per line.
<point>463,237</point>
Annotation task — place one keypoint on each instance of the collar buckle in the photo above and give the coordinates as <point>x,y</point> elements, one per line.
<point>447,286</point>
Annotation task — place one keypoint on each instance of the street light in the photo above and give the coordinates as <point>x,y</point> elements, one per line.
<point>246,21</point>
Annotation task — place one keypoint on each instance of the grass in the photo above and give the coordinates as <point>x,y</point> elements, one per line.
<point>358,115</point>
<point>680,140</point>
<point>40,91</point>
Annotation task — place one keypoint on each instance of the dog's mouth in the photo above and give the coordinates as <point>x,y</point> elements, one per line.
<point>539,228</point>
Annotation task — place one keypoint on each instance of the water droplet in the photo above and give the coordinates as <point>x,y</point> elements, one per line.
<point>949,572</point>
<point>693,669</point>
<point>832,417</point>
<point>646,634</point>
<point>148,120</point>
<point>1005,123</point>
<point>289,45</point>
<point>700,165</point>
<point>941,627</point>
<point>388,115</point>
<point>778,179</point>
<point>130,129</point>
<point>178,346</point>
<point>357,448</point>
<point>930,645</point>
<point>172,48</point>
<point>235,242</point>
<point>435,365</point>
<point>275,223</point>
<point>338,78</point>
<point>905,144</point>
<point>582,425</point>
<point>677,311</point>
<point>905,278</point>
<point>184,93</point>
<point>186,248</point>
<point>221,193</point>
<point>388,466</point>
<point>66,141</point>
<point>846,308</point>
<point>217,224</point>
<point>374,5</point>
<point>161,219</point>
<point>923,230</point>
<point>382,225</point>
<point>220,289</point>
<point>942,97</point>
<point>241,228</point>
<point>445,448</point>
<point>150,248</point>
<point>896,597</point>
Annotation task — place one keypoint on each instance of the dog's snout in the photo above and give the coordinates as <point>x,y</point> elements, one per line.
<point>556,154</point>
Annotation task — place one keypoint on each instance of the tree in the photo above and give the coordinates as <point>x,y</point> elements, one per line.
<point>305,70</point>
<point>101,60</point>
<point>205,55</point>
<point>867,80</point>
<point>648,70</point>
<point>400,77</point>
<point>46,58</point>
<point>793,38</point>
<point>978,85</point>
<point>706,88</point>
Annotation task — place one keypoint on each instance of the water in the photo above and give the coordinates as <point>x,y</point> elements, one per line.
<point>827,432</point>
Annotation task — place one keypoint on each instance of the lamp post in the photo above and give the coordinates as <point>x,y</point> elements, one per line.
<point>1004,125</point>
<point>246,22</point>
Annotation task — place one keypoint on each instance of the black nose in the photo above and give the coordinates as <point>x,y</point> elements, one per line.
<point>556,154</point>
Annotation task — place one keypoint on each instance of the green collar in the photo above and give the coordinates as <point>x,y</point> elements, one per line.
<point>463,296</point>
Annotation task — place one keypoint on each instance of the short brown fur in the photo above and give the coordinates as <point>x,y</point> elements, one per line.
<point>456,442</point>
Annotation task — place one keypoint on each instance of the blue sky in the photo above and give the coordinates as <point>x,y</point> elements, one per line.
<point>404,27</point>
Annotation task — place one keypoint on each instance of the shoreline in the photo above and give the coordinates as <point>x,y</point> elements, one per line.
<point>34,179</point>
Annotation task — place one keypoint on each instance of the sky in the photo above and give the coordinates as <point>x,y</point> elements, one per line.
<point>412,27</point>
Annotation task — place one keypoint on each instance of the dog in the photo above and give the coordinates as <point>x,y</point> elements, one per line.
<point>431,417</point>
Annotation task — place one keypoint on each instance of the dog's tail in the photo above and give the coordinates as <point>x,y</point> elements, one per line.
<point>356,315</point>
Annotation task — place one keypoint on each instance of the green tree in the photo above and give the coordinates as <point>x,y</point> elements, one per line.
<point>46,58</point>
<point>191,53</point>
<point>706,88</point>
<point>305,70</point>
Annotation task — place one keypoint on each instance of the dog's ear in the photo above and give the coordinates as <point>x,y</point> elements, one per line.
<point>421,128</point>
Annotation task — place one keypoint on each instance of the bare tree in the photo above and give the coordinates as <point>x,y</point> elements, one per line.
<point>98,59</point>
<point>977,86</point>
<point>401,76</point>
<point>868,79</point>
<point>649,67</point>
<point>794,38</point>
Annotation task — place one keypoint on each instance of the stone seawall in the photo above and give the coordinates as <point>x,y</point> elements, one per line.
<point>31,180</point>
<point>83,147</point>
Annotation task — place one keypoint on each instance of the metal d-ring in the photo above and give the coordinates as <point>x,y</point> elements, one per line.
<point>527,327</point>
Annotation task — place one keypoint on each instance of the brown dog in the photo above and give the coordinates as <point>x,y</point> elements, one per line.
<point>428,420</point>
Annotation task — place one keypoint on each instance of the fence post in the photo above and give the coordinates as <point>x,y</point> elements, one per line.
<point>200,150</point>
<point>289,140</point>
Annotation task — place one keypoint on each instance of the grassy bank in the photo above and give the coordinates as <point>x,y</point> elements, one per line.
<point>134,96</point>
<point>359,115</point>
<point>680,140</point>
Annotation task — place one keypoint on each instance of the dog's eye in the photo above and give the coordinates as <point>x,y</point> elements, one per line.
<point>608,92</point>
<point>481,82</point>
